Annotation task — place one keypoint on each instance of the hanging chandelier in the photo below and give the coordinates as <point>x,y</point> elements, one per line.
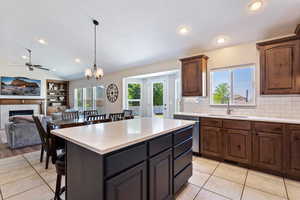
<point>94,71</point>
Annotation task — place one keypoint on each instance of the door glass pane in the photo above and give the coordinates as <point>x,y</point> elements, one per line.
<point>79,98</point>
<point>99,103</point>
<point>220,86</point>
<point>89,99</point>
<point>243,91</point>
<point>158,99</point>
<point>134,91</point>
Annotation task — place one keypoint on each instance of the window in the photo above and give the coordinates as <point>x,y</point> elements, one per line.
<point>89,99</point>
<point>134,97</point>
<point>235,85</point>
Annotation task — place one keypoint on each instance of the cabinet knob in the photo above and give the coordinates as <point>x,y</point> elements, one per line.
<point>239,147</point>
<point>296,138</point>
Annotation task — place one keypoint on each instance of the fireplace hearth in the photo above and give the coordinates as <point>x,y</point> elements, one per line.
<point>20,112</point>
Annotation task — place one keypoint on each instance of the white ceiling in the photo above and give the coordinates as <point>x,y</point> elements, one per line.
<point>132,32</point>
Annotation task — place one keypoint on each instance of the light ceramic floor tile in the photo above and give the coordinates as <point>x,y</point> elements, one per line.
<point>34,157</point>
<point>267,183</point>
<point>224,187</point>
<point>16,175</point>
<point>9,160</point>
<point>205,165</point>
<point>207,195</point>
<point>12,166</point>
<point>293,190</point>
<point>49,176</point>
<point>21,185</point>
<point>38,193</point>
<point>253,194</point>
<point>292,182</point>
<point>40,167</point>
<point>198,178</point>
<point>188,192</point>
<point>232,173</point>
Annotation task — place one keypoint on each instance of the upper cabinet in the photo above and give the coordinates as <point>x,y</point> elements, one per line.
<point>194,72</point>
<point>280,65</point>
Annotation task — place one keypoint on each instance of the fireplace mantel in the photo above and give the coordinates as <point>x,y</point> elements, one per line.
<point>40,102</point>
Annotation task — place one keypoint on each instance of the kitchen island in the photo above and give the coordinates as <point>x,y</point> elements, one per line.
<point>139,159</point>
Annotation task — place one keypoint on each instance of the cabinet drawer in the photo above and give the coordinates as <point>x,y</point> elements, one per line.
<point>182,178</point>
<point>183,147</point>
<point>122,160</point>
<point>237,124</point>
<point>182,161</point>
<point>269,127</point>
<point>160,144</point>
<point>211,122</point>
<point>183,134</point>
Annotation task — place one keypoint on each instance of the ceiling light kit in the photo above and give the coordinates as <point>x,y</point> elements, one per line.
<point>42,41</point>
<point>94,71</point>
<point>255,5</point>
<point>77,60</point>
<point>183,30</point>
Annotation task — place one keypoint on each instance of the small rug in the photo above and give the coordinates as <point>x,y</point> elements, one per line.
<point>3,139</point>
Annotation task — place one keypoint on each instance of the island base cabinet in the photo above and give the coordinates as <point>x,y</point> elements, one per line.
<point>160,176</point>
<point>267,151</point>
<point>131,184</point>
<point>293,151</point>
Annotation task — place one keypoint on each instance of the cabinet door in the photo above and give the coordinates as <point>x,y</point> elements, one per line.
<point>267,151</point>
<point>194,76</point>
<point>211,143</point>
<point>160,176</point>
<point>131,184</point>
<point>293,151</point>
<point>280,68</point>
<point>237,145</point>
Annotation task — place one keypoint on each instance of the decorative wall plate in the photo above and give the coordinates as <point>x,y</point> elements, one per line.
<point>112,92</point>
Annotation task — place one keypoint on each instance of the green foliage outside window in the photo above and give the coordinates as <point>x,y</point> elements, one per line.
<point>134,91</point>
<point>221,94</point>
<point>158,99</point>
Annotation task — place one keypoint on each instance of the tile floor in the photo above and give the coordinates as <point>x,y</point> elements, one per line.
<point>24,178</point>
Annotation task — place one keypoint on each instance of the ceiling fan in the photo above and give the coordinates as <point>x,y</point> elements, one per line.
<point>31,66</point>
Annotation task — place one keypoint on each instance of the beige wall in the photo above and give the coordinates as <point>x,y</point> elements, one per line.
<point>274,106</point>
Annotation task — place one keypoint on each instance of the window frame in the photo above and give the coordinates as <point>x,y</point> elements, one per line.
<point>94,90</point>
<point>231,79</point>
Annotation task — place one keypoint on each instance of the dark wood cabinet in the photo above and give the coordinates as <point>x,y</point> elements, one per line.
<point>267,151</point>
<point>194,72</point>
<point>211,140</point>
<point>160,175</point>
<point>237,145</point>
<point>280,65</point>
<point>131,184</point>
<point>293,151</point>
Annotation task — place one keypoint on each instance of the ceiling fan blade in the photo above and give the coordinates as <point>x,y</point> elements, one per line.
<point>40,67</point>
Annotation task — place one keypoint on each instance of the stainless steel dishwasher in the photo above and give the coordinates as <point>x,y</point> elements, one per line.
<point>196,131</point>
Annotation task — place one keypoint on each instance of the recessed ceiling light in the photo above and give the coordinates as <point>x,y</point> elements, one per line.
<point>255,5</point>
<point>54,70</point>
<point>25,57</point>
<point>183,30</point>
<point>221,40</point>
<point>77,60</point>
<point>42,41</point>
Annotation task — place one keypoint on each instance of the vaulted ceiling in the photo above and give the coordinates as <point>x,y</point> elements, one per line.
<point>132,32</point>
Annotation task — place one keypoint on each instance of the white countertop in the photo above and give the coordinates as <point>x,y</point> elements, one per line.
<point>240,117</point>
<point>107,137</point>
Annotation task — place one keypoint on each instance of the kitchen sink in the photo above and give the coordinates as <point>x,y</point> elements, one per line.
<point>234,116</point>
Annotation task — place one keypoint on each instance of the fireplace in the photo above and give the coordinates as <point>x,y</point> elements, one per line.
<point>20,112</point>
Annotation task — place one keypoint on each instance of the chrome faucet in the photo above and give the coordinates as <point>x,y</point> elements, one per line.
<point>229,109</point>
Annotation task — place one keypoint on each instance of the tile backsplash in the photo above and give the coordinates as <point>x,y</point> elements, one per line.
<point>266,106</point>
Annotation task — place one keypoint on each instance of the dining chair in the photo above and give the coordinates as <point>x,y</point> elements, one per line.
<point>45,139</point>
<point>127,113</point>
<point>70,115</point>
<point>87,113</point>
<point>98,121</point>
<point>96,117</point>
<point>116,116</point>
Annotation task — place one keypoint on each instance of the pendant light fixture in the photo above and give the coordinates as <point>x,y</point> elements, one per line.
<point>94,71</point>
